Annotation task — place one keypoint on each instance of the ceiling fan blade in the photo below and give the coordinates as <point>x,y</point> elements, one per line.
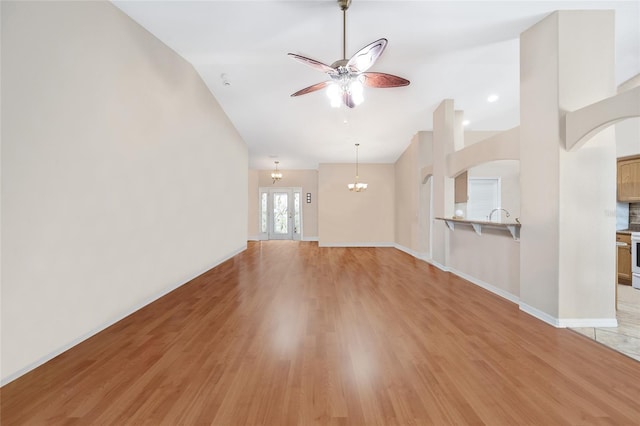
<point>313,88</point>
<point>381,80</point>
<point>314,64</point>
<point>367,56</point>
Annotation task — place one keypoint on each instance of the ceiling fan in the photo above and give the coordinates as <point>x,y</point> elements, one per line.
<point>349,76</point>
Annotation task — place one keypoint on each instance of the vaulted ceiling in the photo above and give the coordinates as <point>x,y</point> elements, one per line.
<point>464,50</point>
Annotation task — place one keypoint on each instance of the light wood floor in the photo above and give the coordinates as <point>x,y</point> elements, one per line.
<point>289,333</point>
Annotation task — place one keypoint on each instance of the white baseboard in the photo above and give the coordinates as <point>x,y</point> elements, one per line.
<point>421,256</point>
<point>11,377</point>
<point>537,313</point>
<point>587,322</point>
<point>437,265</point>
<point>568,322</point>
<point>367,244</point>
<point>493,289</point>
<point>543,316</point>
<point>417,255</point>
<point>259,238</point>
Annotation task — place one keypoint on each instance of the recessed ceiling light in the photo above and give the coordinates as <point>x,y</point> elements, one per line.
<point>492,98</point>
<point>466,122</point>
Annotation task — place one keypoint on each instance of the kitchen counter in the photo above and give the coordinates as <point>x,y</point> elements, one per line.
<point>628,231</point>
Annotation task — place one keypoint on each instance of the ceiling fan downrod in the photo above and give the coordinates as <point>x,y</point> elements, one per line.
<point>344,5</point>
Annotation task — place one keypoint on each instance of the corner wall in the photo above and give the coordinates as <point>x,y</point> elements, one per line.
<point>122,178</point>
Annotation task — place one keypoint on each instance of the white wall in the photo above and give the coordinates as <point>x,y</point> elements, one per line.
<point>118,167</point>
<point>356,218</point>
<point>628,131</point>
<point>253,206</point>
<point>628,137</point>
<point>491,259</point>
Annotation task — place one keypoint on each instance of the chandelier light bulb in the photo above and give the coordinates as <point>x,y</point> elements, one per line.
<point>276,175</point>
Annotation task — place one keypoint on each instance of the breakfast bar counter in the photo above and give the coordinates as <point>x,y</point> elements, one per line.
<point>477,225</point>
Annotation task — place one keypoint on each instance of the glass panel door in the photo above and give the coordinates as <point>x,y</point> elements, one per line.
<point>281,227</point>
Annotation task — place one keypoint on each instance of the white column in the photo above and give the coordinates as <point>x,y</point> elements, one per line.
<point>443,144</point>
<point>567,249</point>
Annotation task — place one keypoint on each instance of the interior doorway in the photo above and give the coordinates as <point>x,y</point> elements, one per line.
<point>280,213</point>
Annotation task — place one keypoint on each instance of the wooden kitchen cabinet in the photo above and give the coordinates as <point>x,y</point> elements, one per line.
<point>629,179</point>
<point>624,259</point>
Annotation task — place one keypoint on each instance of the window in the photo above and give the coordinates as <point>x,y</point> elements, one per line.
<point>484,196</point>
<point>296,212</point>
<point>263,212</point>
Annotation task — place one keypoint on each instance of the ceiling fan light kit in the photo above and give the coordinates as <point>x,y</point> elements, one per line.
<point>349,77</point>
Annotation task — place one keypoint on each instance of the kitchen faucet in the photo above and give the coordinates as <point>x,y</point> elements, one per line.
<point>495,210</point>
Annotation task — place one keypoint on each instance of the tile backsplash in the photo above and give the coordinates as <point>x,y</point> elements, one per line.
<point>622,215</point>
<point>634,214</point>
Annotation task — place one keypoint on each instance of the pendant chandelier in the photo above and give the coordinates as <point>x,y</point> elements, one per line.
<point>357,186</point>
<point>276,175</point>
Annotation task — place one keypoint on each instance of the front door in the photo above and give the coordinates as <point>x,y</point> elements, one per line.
<point>280,213</point>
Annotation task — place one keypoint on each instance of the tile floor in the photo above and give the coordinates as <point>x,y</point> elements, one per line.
<point>626,337</point>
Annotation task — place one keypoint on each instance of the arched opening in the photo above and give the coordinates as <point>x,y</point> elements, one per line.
<point>627,214</point>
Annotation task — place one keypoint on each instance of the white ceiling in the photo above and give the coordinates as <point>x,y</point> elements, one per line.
<point>463,50</point>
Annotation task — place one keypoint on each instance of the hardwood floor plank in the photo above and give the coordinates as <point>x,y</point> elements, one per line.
<point>289,333</point>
